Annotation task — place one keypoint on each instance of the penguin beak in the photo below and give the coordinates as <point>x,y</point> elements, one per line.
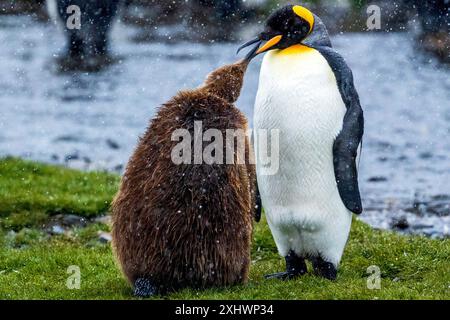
<point>269,44</point>
<point>252,53</point>
<point>257,49</point>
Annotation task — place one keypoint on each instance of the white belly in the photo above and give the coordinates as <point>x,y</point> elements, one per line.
<point>298,95</point>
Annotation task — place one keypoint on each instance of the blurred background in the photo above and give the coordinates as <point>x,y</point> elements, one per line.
<point>81,98</point>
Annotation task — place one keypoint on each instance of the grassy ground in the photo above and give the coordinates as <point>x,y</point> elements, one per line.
<point>33,265</point>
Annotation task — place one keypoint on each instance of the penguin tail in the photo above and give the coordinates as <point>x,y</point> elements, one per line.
<point>144,288</point>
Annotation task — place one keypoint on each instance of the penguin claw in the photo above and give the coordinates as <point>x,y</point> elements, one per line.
<point>282,275</point>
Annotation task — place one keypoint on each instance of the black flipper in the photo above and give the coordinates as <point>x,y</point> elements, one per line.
<point>258,205</point>
<point>345,146</point>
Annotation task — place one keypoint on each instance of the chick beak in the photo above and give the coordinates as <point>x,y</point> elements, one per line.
<point>256,49</point>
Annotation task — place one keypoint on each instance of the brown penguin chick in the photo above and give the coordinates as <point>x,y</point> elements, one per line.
<point>187,225</point>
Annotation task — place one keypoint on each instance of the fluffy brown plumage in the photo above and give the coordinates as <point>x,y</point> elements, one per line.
<point>187,225</point>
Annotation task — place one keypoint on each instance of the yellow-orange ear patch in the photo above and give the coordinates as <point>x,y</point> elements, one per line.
<point>305,14</point>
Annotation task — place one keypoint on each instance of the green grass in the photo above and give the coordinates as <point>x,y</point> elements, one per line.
<point>31,192</point>
<point>34,265</point>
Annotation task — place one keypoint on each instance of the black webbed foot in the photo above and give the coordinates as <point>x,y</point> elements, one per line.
<point>324,268</point>
<point>295,267</point>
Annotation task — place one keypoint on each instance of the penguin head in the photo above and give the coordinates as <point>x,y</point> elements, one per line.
<point>285,27</point>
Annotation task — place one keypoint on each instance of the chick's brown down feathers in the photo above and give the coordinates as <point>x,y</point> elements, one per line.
<point>187,225</point>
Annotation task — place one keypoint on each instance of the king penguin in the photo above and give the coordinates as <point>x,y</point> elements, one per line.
<point>306,92</point>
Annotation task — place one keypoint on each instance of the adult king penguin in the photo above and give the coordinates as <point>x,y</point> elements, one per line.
<point>306,91</point>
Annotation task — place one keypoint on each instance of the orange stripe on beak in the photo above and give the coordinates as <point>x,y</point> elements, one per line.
<point>269,44</point>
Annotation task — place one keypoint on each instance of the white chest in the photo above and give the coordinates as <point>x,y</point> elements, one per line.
<point>298,95</point>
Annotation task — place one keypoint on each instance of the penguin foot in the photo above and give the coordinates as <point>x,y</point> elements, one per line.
<point>144,288</point>
<point>295,266</point>
<point>324,269</point>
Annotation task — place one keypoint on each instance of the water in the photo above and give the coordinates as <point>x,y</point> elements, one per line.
<point>92,121</point>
